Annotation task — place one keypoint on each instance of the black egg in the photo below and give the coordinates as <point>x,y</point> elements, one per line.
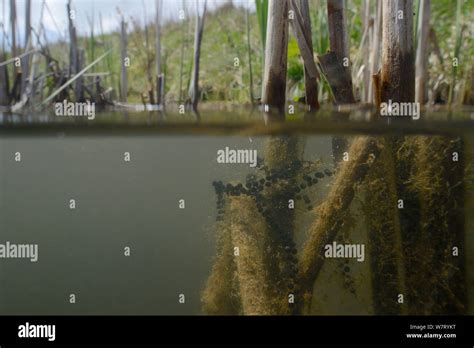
<point>319,175</point>
<point>327,172</point>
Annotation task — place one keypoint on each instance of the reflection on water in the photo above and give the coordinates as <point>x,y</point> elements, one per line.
<point>232,238</point>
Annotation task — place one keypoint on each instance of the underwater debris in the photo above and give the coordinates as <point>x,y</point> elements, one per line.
<point>264,197</point>
<point>221,293</point>
<point>249,235</point>
<point>331,213</point>
<point>383,228</point>
<point>437,278</point>
<point>269,189</point>
<point>262,224</point>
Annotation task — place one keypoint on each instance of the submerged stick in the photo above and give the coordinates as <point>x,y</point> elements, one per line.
<point>259,228</point>
<point>437,276</point>
<point>220,296</point>
<point>331,214</point>
<point>281,152</point>
<point>249,236</point>
<point>385,247</point>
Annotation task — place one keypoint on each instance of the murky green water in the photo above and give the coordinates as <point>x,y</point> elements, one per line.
<point>135,204</point>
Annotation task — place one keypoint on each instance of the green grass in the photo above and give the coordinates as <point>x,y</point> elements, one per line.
<point>224,39</point>
<point>261,11</point>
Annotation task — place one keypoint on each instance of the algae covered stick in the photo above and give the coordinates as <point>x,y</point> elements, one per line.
<point>249,236</point>
<point>362,153</point>
<point>281,152</point>
<point>439,264</point>
<point>383,224</point>
<point>221,295</point>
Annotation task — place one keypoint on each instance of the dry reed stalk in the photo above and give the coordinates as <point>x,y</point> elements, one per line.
<point>274,74</point>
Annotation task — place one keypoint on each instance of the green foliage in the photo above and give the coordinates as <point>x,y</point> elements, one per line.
<point>354,21</point>
<point>262,13</point>
<point>295,69</point>
<point>320,34</point>
<point>451,21</point>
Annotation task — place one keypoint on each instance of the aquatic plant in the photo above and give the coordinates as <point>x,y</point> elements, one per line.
<point>262,12</point>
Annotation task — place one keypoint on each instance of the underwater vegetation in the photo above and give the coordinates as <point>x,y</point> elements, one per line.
<point>411,192</point>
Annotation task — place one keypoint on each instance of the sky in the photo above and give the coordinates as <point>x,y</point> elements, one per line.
<point>55,20</point>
